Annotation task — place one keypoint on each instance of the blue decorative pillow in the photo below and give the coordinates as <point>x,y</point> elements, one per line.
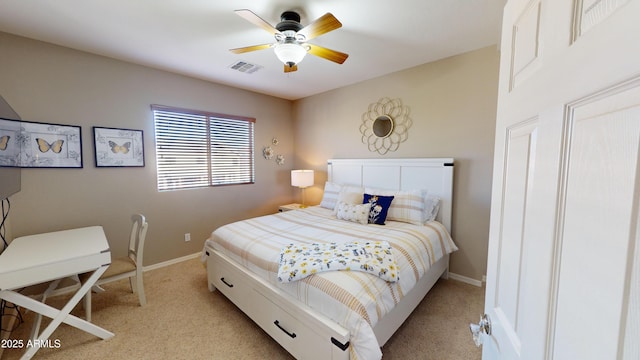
<point>379,207</point>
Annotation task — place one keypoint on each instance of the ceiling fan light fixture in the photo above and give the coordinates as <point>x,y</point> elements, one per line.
<point>291,38</point>
<point>290,53</point>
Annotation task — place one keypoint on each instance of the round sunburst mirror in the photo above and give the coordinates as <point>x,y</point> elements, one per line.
<point>385,125</point>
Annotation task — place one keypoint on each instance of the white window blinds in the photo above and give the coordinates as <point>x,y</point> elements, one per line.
<point>198,149</point>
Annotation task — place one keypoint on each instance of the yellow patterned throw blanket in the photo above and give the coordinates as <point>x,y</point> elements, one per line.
<point>297,261</point>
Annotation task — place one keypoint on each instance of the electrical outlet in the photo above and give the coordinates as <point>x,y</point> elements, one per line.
<point>187,237</point>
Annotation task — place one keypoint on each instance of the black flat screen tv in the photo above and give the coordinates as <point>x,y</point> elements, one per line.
<point>10,177</point>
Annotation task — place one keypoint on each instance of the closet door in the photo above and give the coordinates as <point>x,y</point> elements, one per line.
<point>563,277</point>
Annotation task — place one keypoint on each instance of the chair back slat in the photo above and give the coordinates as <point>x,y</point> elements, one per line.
<point>137,238</point>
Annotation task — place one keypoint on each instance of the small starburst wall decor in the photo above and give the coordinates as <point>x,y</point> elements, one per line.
<point>385,125</point>
<point>268,152</point>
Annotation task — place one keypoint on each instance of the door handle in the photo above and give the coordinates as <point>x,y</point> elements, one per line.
<point>483,327</point>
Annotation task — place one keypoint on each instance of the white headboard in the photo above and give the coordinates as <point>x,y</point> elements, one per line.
<point>432,174</point>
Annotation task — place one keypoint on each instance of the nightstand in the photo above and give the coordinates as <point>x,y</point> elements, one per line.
<point>289,207</point>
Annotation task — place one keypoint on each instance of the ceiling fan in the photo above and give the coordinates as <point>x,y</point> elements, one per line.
<point>291,38</point>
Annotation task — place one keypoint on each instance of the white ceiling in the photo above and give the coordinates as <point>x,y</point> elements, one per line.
<point>192,37</point>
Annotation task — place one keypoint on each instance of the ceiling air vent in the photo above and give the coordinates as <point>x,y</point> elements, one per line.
<point>245,67</point>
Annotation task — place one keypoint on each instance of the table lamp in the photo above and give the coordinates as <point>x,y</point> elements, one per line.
<point>302,179</point>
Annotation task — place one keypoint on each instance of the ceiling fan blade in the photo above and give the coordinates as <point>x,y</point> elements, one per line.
<point>250,48</point>
<point>289,69</point>
<point>331,55</point>
<point>322,25</point>
<point>251,17</point>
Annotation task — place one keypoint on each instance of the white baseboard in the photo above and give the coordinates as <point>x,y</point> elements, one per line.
<point>172,261</point>
<point>464,279</point>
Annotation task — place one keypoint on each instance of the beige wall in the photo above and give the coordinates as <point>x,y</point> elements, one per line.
<point>453,108</point>
<point>47,83</point>
<point>452,102</point>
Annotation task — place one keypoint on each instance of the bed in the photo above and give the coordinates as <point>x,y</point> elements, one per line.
<point>339,314</point>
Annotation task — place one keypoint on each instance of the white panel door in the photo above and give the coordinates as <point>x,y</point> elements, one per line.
<point>563,278</point>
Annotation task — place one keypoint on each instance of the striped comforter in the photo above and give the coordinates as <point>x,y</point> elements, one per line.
<point>355,300</point>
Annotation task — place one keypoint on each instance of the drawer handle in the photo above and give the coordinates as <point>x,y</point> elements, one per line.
<point>226,283</point>
<point>291,335</point>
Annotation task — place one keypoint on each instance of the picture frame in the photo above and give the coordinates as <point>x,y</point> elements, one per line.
<point>115,147</point>
<point>28,144</point>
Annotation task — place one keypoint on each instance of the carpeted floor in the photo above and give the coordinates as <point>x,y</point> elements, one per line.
<point>183,320</point>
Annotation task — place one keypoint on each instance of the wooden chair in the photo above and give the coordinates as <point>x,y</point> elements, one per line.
<point>126,267</point>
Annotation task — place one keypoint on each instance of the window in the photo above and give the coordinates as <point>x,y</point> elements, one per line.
<point>199,149</point>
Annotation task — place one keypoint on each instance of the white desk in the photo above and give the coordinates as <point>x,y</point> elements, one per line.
<point>39,258</point>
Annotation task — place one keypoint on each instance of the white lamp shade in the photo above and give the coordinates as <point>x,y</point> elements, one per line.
<point>290,53</point>
<point>301,178</point>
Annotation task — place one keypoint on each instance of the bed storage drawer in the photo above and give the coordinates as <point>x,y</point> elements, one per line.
<point>284,319</point>
<point>227,279</point>
<point>293,334</point>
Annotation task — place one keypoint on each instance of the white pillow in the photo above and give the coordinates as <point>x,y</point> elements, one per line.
<point>351,195</point>
<point>330,195</point>
<point>407,206</point>
<point>431,207</point>
<point>351,212</point>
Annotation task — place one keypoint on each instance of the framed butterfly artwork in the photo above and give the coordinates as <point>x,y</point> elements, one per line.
<point>32,144</point>
<point>118,147</point>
